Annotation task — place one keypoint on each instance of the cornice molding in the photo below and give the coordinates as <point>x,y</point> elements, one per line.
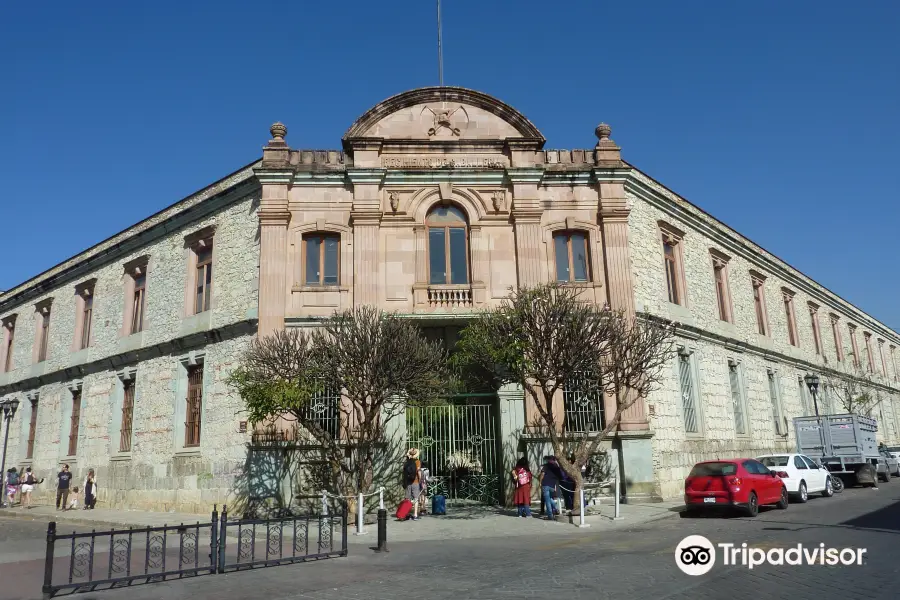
<point>738,247</point>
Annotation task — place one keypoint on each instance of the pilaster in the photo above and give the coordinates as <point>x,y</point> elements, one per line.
<point>366,221</point>
<point>274,176</point>
<point>527,213</point>
<point>610,173</point>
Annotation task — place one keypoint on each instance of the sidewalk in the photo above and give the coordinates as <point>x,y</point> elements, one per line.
<point>462,522</point>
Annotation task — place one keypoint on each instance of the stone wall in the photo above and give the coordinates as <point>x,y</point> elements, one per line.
<point>713,342</point>
<point>158,473</point>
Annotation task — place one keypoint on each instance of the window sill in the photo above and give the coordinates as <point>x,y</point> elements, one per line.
<point>130,342</point>
<point>122,456</point>
<point>320,288</point>
<point>187,453</point>
<point>196,323</point>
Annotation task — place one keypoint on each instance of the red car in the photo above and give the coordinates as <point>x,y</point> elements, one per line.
<point>744,483</point>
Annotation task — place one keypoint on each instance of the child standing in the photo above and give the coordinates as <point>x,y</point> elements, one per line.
<point>73,499</point>
<point>522,478</point>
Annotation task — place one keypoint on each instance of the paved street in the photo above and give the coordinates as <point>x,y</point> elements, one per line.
<point>593,563</point>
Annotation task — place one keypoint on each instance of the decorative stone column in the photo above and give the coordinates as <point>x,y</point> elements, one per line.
<point>479,260</point>
<point>365,219</point>
<point>274,175</point>
<point>525,175</point>
<point>511,399</point>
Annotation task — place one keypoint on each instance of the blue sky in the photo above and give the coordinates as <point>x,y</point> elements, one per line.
<point>779,118</point>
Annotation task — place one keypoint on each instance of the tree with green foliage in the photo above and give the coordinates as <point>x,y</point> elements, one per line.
<point>380,362</point>
<point>547,340</point>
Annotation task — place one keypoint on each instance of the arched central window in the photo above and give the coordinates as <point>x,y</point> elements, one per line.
<point>448,247</point>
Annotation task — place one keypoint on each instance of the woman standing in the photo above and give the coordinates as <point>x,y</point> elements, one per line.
<point>90,490</point>
<point>12,485</point>
<point>522,478</point>
<point>28,487</point>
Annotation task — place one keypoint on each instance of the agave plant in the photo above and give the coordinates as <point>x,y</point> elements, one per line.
<point>464,460</point>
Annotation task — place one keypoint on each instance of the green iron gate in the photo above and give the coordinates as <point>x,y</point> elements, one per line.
<point>459,443</point>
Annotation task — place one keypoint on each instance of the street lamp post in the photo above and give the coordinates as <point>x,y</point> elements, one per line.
<point>812,382</point>
<point>9,411</point>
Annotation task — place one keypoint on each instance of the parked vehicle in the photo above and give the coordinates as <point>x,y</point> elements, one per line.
<point>743,483</point>
<point>893,464</point>
<point>845,445</point>
<point>801,475</point>
<point>894,451</point>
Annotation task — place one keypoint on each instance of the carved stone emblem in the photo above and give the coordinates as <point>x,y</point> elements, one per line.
<point>395,200</point>
<point>442,120</point>
<point>499,199</point>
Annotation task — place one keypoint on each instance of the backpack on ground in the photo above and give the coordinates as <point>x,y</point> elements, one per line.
<point>439,504</point>
<point>409,471</point>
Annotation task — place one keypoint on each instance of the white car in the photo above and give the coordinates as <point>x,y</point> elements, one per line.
<point>801,475</point>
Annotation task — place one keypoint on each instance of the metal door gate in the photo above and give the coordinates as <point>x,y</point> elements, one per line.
<point>458,441</point>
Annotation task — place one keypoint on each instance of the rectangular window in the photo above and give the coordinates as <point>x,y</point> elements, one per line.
<point>137,303</point>
<point>671,265</point>
<point>788,298</point>
<point>836,333</point>
<point>32,430</point>
<point>894,364</point>
<point>321,259</point>
<point>437,255</point>
<point>854,346</point>
<point>870,360</point>
<point>688,393</point>
<point>74,423</point>
<point>570,249</point>
<point>759,303</point>
<point>44,335</point>
<point>803,390</point>
<point>9,333</point>
<point>203,279</point>
<point>777,414</point>
<point>87,314</point>
<point>814,321</point>
<point>194,406</point>
<point>737,399</point>
<point>459,264</point>
<point>127,417</point>
<point>721,291</point>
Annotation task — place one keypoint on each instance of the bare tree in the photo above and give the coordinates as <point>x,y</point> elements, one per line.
<point>381,363</point>
<point>547,340</point>
<point>852,392</point>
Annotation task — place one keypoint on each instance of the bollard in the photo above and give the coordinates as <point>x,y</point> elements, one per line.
<point>616,515</point>
<point>382,531</point>
<point>581,522</point>
<point>47,588</point>
<point>360,515</point>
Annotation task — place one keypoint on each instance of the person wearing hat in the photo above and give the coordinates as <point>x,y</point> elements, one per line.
<point>412,469</point>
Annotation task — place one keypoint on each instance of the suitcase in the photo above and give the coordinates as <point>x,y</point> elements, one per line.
<point>439,505</point>
<point>403,509</point>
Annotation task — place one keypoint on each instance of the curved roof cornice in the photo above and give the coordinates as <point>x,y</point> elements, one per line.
<point>444,94</point>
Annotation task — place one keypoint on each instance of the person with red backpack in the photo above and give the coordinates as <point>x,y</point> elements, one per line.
<point>522,479</point>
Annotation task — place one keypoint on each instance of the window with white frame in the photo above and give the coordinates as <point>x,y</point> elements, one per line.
<point>688,387</point>
<point>738,397</point>
<point>777,411</point>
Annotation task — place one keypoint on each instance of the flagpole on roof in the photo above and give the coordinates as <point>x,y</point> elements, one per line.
<point>440,49</point>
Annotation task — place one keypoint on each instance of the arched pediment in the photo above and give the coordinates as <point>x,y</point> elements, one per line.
<point>443,114</point>
<point>424,199</point>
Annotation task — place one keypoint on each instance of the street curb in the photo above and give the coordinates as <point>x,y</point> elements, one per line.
<point>67,521</point>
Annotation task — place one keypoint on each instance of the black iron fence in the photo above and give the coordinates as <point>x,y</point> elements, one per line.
<point>84,562</point>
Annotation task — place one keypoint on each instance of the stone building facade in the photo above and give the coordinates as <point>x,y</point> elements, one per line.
<point>440,201</point>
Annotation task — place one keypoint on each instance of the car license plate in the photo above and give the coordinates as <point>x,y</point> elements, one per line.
<point>709,500</point>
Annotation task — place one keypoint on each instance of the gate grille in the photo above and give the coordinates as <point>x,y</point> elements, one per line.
<point>458,442</point>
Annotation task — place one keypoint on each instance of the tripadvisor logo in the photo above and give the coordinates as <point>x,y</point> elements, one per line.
<point>696,555</point>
